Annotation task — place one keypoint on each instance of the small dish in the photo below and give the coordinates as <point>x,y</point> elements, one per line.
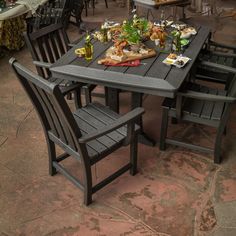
<point>175,60</point>
<point>169,61</point>
<point>181,61</point>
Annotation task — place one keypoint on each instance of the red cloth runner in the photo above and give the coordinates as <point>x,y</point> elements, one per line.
<point>128,63</point>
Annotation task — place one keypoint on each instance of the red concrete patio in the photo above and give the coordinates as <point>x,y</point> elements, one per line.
<point>177,192</point>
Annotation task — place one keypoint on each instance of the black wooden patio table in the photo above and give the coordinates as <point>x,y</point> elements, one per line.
<point>151,77</point>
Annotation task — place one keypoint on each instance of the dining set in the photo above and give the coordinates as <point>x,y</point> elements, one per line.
<point>92,131</point>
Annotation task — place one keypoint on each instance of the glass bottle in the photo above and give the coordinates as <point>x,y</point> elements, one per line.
<point>104,35</point>
<point>88,48</point>
<point>162,15</point>
<point>176,41</point>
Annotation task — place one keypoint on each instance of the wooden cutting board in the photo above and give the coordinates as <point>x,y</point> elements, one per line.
<point>108,60</point>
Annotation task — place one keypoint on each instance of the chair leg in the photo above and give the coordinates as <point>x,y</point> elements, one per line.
<point>217,149</point>
<point>220,132</point>
<point>93,5</point>
<point>87,94</point>
<point>164,126</point>
<point>86,7</point>
<point>88,186</point>
<point>106,3</point>
<point>106,97</point>
<point>77,98</point>
<point>133,155</point>
<point>52,156</point>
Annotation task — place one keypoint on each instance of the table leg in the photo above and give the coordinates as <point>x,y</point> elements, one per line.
<point>112,99</point>
<point>143,138</point>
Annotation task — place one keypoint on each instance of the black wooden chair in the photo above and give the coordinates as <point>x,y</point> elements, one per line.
<point>46,46</point>
<point>89,134</point>
<point>217,53</point>
<point>203,105</point>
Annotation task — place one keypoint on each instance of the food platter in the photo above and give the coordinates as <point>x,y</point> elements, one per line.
<point>114,57</point>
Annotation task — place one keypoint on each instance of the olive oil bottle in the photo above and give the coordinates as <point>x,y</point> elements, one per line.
<point>88,46</point>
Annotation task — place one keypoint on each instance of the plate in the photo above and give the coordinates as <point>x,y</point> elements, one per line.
<point>188,32</point>
<point>181,61</point>
<point>169,61</point>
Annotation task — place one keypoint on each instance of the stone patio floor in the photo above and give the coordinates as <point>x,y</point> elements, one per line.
<point>176,192</point>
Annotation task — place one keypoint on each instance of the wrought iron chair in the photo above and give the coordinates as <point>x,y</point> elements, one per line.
<point>89,134</point>
<point>46,46</point>
<point>93,4</point>
<point>76,8</point>
<point>203,105</point>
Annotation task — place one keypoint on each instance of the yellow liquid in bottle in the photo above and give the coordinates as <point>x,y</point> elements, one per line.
<point>88,51</point>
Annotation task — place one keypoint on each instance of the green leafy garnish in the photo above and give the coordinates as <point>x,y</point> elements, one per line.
<point>134,29</point>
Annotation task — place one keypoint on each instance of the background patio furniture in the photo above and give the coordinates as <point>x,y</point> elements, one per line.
<point>152,5</point>
<point>88,135</point>
<point>12,23</point>
<point>202,105</point>
<point>76,9</point>
<point>52,12</point>
<point>46,46</point>
<point>12,26</point>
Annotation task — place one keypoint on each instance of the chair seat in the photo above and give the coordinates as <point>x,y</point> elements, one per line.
<point>197,108</point>
<point>93,117</point>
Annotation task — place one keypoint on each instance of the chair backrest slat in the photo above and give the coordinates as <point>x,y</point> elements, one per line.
<point>60,121</point>
<point>49,49</point>
<point>54,46</point>
<point>55,115</point>
<point>45,109</point>
<point>61,43</point>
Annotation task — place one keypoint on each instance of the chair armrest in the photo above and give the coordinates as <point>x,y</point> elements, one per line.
<point>125,119</point>
<point>72,87</point>
<point>42,64</point>
<point>222,45</point>
<point>208,97</point>
<point>218,66</point>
